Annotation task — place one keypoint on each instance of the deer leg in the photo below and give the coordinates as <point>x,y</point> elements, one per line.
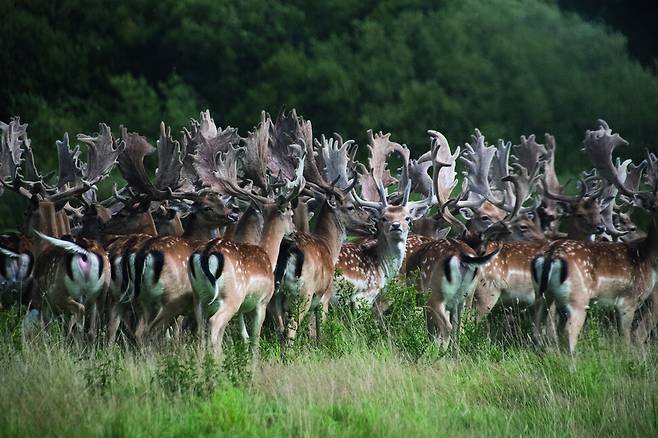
<point>166,315</point>
<point>93,321</point>
<point>441,320</point>
<point>217,325</point>
<point>200,321</point>
<point>243,329</point>
<point>625,315</point>
<point>303,305</point>
<point>77,312</point>
<point>116,315</point>
<point>647,319</point>
<point>257,326</point>
<point>574,324</point>
<point>456,320</point>
<point>142,325</point>
<point>275,309</point>
<point>323,310</point>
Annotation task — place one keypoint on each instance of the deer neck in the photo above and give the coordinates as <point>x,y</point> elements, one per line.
<point>574,230</point>
<point>274,229</point>
<point>301,218</point>
<point>249,227</point>
<point>197,229</point>
<point>329,229</point>
<point>390,254</point>
<point>650,243</point>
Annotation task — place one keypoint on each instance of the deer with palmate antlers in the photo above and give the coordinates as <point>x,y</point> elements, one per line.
<point>369,266</point>
<point>72,275</point>
<point>305,268</point>
<point>230,277</point>
<point>447,268</point>
<point>574,274</point>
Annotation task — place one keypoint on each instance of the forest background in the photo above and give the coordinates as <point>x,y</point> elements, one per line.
<point>507,67</point>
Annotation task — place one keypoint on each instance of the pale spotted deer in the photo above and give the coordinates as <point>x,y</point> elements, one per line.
<point>70,275</point>
<point>447,268</point>
<point>159,266</point>
<point>369,266</point>
<point>232,278</point>
<point>305,268</point>
<point>576,274</point>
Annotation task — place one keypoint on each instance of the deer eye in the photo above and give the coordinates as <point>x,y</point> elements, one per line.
<point>523,227</point>
<point>207,208</point>
<point>485,218</point>
<point>408,218</point>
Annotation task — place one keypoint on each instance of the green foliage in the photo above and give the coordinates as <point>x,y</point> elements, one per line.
<point>366,376</point>
<point>510,67</point>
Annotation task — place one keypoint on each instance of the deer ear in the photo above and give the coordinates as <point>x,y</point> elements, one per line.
<point>467,213</point>
<point>419,212</point>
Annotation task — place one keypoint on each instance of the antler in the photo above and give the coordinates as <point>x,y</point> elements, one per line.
<point>256,152</point>
<point>103,154</point>
<point>599,145</point>
<point>131,163</point>
<point>216,160</point>
<point>288,129</point>
<point>550,176</point>
<point>477,159</point>
<point>12,138</point>
<point>529,153</point>
<point>170,164</point>
<point>70,167</point>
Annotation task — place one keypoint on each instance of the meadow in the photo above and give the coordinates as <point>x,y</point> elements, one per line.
<point>364,377</point>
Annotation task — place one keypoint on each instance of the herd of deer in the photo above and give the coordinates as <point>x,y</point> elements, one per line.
<point>223,231</point>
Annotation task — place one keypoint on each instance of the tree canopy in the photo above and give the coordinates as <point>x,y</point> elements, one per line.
<point>509,67</point>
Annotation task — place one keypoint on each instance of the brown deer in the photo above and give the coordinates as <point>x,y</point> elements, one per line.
<point>447,268</point>
<point>575,274</point>
<point>508,278</point>
<point>369,266</point>
<point>71,275</point>
<point>16,264</point>
<point>159,266</point>
<point>230,277</point>
<point>305,267</point>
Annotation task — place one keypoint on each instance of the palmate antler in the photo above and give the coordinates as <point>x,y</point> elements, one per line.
<point>70,167</point>
<point>288,129</point>
<point>12,138</point>
<point>490,178</point>
<point>599,146</point>
<point>477,158</point>
<point>256,152</point>
<point>170,164</point>
<point>337,158</point>
<point>221,172</point>
<point>379,146</point>
<point>104,150</point>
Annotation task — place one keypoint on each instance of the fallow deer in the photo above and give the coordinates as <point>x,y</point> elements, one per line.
<point>159,266</point>
<point>232,278</point>
<point>305,268</point>
<point>369,267</point>
<point>447,268</point>
<point>575,274</point>
<point>71,274</point>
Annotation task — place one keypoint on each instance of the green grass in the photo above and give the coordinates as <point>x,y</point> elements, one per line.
<point>360,380</point>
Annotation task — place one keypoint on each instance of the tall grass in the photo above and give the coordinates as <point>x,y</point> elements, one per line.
<point>363,377</point>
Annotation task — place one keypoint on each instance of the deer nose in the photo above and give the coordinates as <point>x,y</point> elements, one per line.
<point>395,226</point>
<point>600,229</point>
